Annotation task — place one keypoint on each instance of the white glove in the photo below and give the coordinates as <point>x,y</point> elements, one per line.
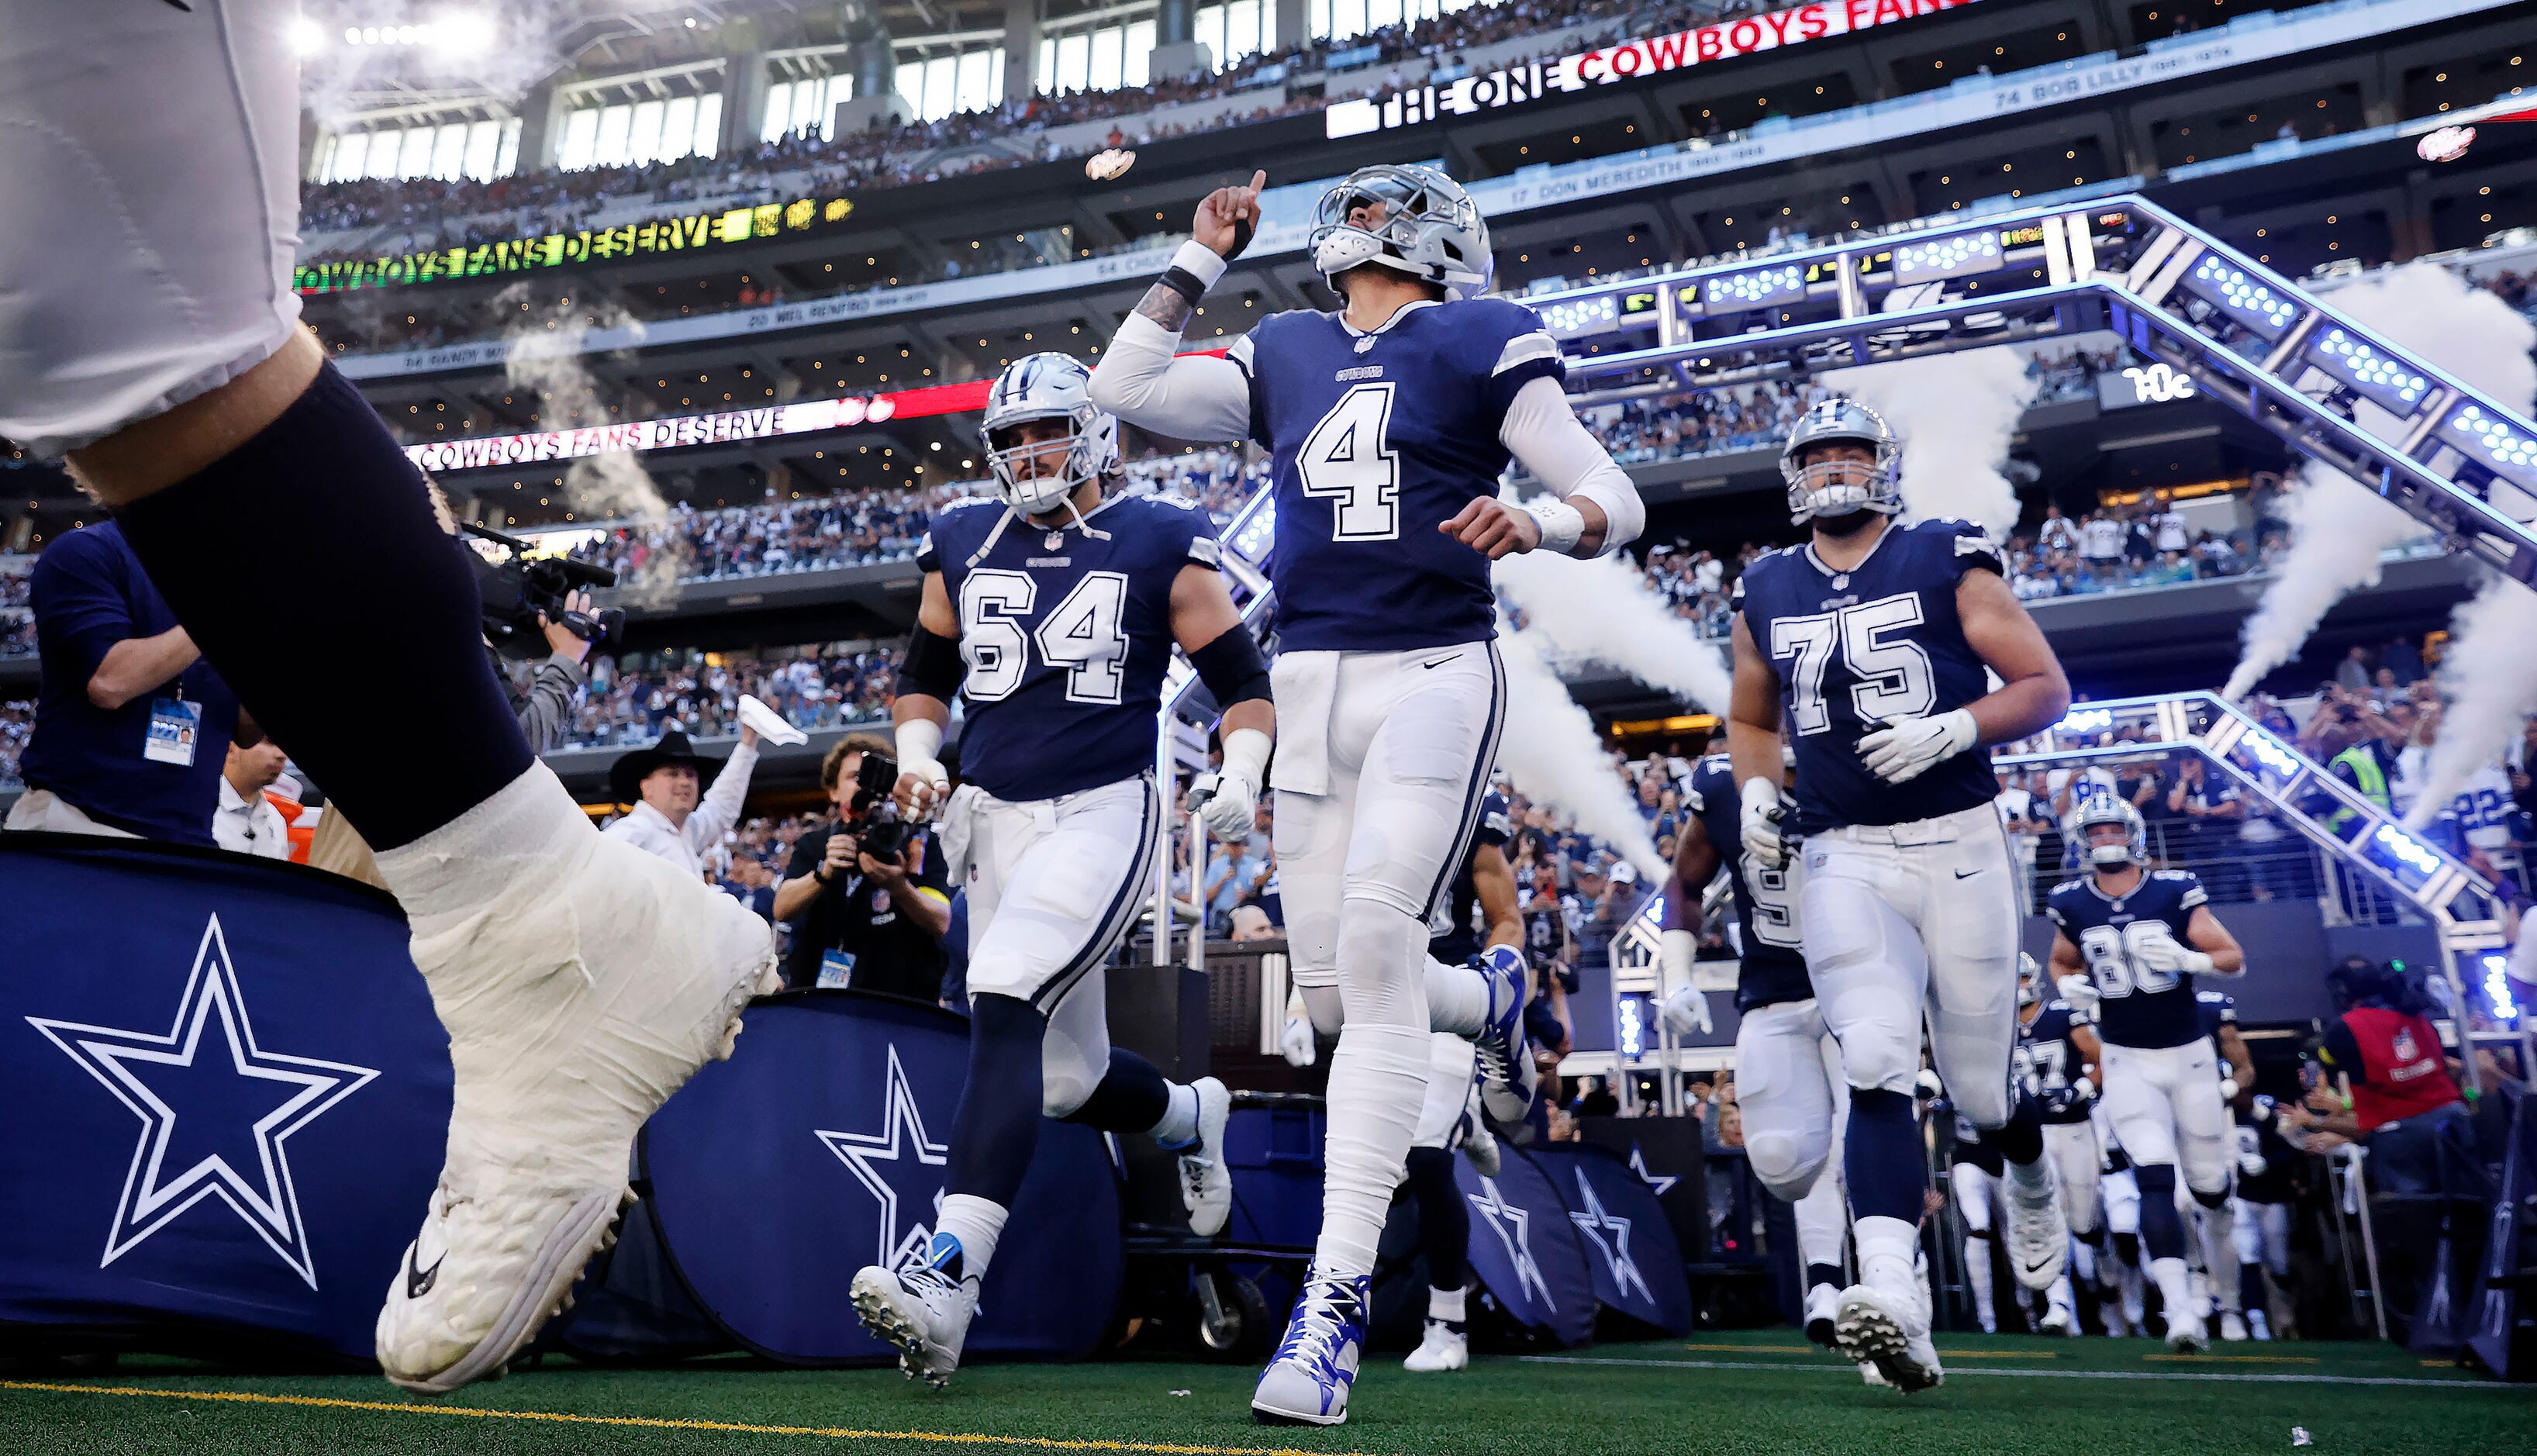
<point>1227,802</point>
<point>2228,1089</point>
<point>1686,1012</point>
<point>2252,1165</point>
<point>1295,1043</point>
<point>1760,826</point>
<point>1907,747</point>
<point>2083,1089</point>
<point>920,742</point>
<point>1929,1085</point>
<point>2080,993</point>
<point>2159,951</point>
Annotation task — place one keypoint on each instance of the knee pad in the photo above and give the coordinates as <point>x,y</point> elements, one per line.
<point>1066,1084</point>
<point>1788,1165</point>
<point>1382,964</point>
<point>1880,1059</point>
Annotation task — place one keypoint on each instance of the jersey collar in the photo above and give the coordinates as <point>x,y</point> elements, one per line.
<point>1403,312</point>
<point>1827,568</point>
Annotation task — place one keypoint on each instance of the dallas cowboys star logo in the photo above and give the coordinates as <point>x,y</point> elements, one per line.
<point>1595,1222</point>
<point>1659,1181</point>
<point>196,1110</point>
<point>1518,1245</point>
<point>902,1134</point>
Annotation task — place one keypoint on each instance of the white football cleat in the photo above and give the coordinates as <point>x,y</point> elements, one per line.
<point>1445,1348</point>
<point>2233,1325</point>
<point>1308,1379</point>
<point>1481,1146</point>
<point>1890,1330</point>
<point>581,982</point>
<point>1206,1184</point>
<point>921,1313</point>
<point>1822,1303</point>
<point>2185,1334</point>
<point>2039,1237</point>
<point>2057,1321</point>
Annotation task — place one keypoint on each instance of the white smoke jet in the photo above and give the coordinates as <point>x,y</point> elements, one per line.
<point>545,361</point>
<point>1605,610</point>
<point>1955,416</point>
<point>2490,686</point>
<point>1552,753</point>
<point>2339,525</point>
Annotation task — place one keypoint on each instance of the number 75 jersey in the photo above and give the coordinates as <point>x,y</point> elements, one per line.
<point>1856,649</point>
<point>1376,440</point>
<point>1067,635</point>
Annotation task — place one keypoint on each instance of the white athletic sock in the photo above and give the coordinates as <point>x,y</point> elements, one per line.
<point>1886,1249</point>
<point>1458,999</point>
<point>1822,1218</point>
<point>2175,1286</point>
<point>2218,1230</point>
<point>1179,1127</point>
<point>2128,1290</point>
<point>1378,1084</point>
<point>977,1223</point>
<point>1445,1304</point>
<point>1977,1275</point>
<point>2061,1295</point>
<point>2033,1176</point>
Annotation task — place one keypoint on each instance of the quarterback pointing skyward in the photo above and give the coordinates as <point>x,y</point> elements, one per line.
<point>1388,422</point>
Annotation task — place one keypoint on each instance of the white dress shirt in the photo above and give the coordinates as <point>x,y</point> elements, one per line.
<point>650,830</point>
<point>250,827</point>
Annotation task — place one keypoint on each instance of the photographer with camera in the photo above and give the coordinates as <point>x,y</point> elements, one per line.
<point>867,899</point>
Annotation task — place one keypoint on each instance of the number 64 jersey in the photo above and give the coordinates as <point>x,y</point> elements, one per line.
<point>1856,649</point>
<point>1376,439</point>
<point>1067,634</point>
<point>2138,1006</point>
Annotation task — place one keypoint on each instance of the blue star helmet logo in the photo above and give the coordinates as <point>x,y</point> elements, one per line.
<point>214,1121</point>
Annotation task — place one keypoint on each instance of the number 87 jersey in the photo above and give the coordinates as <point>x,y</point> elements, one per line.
<point>1377,439</point>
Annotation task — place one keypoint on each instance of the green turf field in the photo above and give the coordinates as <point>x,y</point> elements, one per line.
<point>1753,1391</point>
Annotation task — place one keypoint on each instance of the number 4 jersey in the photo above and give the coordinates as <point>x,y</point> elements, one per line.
<point>1376,440</point>
<point>2137,1006</point>
<point>1067,634</point>
<point>1857,649</point>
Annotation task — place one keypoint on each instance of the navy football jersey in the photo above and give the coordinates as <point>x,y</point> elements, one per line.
<point>2048,1060</point>
<point>1375,440</point>
<point>1773,964</point>
<point>2138,1006</point>
<point>1456,932</point>
<point>1857,649</point>
<point>1066,636</point>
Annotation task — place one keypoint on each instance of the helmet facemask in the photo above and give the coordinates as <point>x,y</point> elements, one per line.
<point>1424,228</point>
<point>2112,854</point>
<point>1035,476</point>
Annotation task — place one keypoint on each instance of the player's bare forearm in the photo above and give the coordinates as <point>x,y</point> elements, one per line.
<point>920,708</point>
<point>1493,880</point>
<point>2033,694</point>
<point>1753,712</point>
<point>2090,1052</point>
<point>1695,864</point>
<point>2205,933</point>
<point>1251,713</point>
<point>2066,958</point>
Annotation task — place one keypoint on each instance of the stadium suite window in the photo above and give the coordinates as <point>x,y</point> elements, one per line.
<point>648,131</point>
<point>1105,58</point>
<point>936,87</point>
<point>1345,19</point>
<point>478,150</point>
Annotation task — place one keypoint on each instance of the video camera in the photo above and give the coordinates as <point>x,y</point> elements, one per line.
<point>515,592</point>
<point>878,830</point>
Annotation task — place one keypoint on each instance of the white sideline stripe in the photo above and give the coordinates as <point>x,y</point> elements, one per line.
<point>2223,1377</point>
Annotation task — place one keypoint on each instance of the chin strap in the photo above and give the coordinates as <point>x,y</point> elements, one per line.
<point>1011,514</point>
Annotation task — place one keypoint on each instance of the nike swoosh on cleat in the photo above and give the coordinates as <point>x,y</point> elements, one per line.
<point>419,1282</point>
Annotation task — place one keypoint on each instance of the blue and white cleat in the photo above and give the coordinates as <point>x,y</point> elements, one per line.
<point>922,1311</point>
<point>1307,1381</point>
<point>1508,1077</point>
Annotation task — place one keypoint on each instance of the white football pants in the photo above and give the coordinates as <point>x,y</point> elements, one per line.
<point>2166,1108</point>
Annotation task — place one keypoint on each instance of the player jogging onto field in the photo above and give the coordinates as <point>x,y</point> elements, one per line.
<point>1388,422</point>
<point>1868,646</point>
<point>1053,612</point>
<point>1788,1070</point>
<point>2142,936</point>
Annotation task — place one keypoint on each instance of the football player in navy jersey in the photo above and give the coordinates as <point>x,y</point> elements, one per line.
<point>1053,613</point>
<point>1388,424</point>
<point>1870,648</point>
<point>1973,1170</point>
<point>1788,1070</point>
<point>2142,936</point>
<point>2215,1228</point>
<point>2056,1069</point>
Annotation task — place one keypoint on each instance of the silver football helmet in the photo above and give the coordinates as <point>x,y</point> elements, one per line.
<point>1825,488</point>
<point>1430,229</point>
<point>2106,809</point>
<point>1046,386</point>
<point>2030,980</point>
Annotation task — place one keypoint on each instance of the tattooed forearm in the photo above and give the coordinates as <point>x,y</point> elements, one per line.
<point>1165,307</point>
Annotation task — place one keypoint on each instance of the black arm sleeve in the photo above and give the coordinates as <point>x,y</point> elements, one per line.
<point>932,665</point>
<point>1231,667</point>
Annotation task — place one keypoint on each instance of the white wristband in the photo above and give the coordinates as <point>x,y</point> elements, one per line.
<point>920,741</point>
<point>1201,262</point>
<point>1246,755</point>
<point>1562,525</point>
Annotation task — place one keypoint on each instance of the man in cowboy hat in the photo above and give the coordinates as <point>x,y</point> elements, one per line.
<point>669,818</point>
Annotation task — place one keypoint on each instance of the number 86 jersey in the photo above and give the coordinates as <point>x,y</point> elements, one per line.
<point>1067,635</point>
<point>1377,439</point>
<point>2138,1004</point>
